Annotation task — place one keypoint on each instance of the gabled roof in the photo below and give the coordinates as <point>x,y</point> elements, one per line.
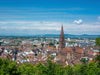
<point>78,50</point>
<point>50,48</point>
<point>67,49</point>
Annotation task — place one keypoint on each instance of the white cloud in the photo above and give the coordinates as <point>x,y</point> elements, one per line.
<point>39,23</point>
<point>48,27</point>
<point>78,21</point>
<point>98,17</point>
<point>28,28</point>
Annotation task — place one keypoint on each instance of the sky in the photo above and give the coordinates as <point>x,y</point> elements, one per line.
<point>23,17</point>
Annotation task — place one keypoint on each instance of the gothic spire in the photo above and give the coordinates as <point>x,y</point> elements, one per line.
<point>62,39</point>
<point>62,32</point>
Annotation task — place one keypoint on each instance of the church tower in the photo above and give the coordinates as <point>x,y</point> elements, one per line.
<point>62,39</point>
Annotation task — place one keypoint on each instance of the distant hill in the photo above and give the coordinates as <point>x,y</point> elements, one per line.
<point>72,36</point>
<point>54,36</point>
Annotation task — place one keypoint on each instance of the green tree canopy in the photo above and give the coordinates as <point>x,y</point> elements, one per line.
<point>98,41</point>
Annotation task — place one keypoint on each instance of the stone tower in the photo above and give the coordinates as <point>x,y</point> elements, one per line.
<point>62,39</point>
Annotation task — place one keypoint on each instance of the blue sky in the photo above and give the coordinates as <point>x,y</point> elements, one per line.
<point>47,16</point>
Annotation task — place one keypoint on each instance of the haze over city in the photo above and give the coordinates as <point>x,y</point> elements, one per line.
<point>22,17</point>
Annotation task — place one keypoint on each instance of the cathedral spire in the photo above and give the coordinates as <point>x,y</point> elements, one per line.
<point>62,29</point>
<point>62,39</point>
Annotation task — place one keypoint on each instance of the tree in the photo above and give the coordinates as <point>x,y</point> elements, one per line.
<point>97,59</point>
<point>8,67</point>
<point>51,44</point>
<point>42,44</point>
<point>34,45</point>
<point>48,68</point>
<point>27,69</point>
<point>97,41</point>
<point>53,68</point>
<point>68,70</point>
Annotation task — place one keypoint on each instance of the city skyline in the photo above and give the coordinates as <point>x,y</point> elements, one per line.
<point>47,16</point>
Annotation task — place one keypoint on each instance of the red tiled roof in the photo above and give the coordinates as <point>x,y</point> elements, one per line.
<point>40,60</point>
<point>79,50</point>
<point>56,48</point>
<point>0,47</point>
<point>67,49</point>
<point>50,48</point>
<point>46,43</point>
<point>90,52</point>
<point>90,61</point>
<point>7,47</point>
